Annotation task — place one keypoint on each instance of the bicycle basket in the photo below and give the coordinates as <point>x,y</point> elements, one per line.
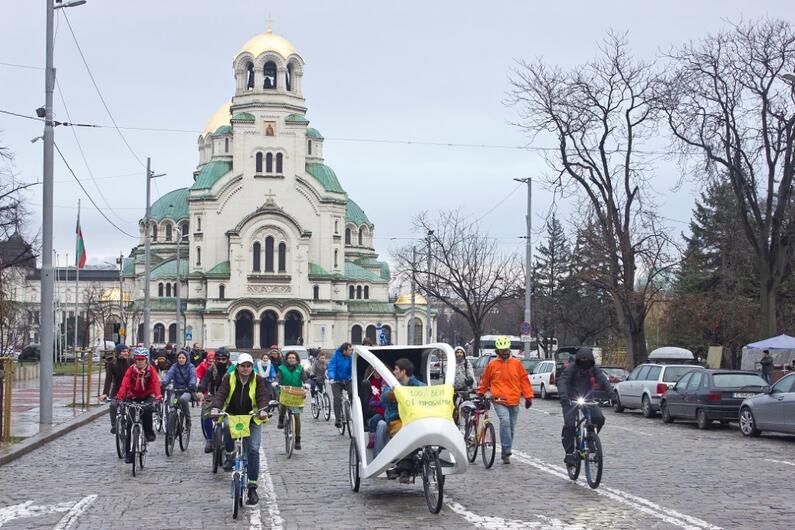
<point>240,426</point>
<point>292,397</point>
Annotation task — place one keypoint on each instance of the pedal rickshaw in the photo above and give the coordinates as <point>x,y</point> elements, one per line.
<point>429,438</point>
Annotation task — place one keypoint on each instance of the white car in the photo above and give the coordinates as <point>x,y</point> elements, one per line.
<point>544,379</point>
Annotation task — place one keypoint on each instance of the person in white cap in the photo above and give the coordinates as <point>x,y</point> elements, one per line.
<point>242,392</point>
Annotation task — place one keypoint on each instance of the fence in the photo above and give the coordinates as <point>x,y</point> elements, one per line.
<point>6,379</point>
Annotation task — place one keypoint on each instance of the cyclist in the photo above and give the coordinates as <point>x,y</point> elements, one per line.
<point>579,379</point>
<point>183,375</point>
<point>506,379</point>
<point>208,385</point>
<point>265,368</point>
<point>140,384</point>
<point>464,378</point>
<point>339,375</point>
<point>204,365</point>
<point>318,373</point>
<point>291,374</point>
<point>114,373</point>
<point>240,393</point>
<point>196,355</point>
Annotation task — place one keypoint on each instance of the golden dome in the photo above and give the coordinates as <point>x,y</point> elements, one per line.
<point>405,299</point>
<point>268,42</point>
<point>218,119</point>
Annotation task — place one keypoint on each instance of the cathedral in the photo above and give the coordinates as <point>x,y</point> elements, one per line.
<point>269,247</point>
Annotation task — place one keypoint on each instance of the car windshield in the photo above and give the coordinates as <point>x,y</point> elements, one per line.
<point>615,372</point>
<point>737,380</point>
<point>517,345</point>
<point>672,374</point>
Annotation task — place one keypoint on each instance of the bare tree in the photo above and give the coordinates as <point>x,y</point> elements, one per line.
<point>599,113</point>
<point>731,100</point>
<point>469,274</point>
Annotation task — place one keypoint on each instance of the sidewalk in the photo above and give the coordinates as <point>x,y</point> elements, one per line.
<point>25,403</point>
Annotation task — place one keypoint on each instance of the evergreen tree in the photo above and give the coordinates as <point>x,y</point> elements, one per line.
<point>551,268</point>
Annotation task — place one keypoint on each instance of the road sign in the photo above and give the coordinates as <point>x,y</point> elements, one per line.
<point>188,335</point>
<point>526,338</point>
<point>524,328</point>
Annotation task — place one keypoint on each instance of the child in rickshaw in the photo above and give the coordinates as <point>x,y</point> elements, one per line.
<point>370,391</point>
<point>391,424</point>
<point>291,374</point>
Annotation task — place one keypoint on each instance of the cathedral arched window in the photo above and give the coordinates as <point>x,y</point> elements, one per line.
<point>279,160</point>
<point>269,254</point>
<point>168,232</point>
<point>309,147</point>
<point>184,229</point>
<point>226,145</point>
<point>154,232</point>
<point>257,251</point>
<point>159,289</point>
<point>347,236</point>
<point>174,289</point>
<point>221,291</point>
<point>168,289</point>
<point>198,256</point>
<point>258,164</point>
<point>366,292</point>
<point>361,236</point>
<point>336,258</point>
<point>250,76</point>
<point>269,163</point>
<point>351,292</point>
<point>282,257</point>
<point>316,292</point>
<point>359,292</point>
<point>288,78</point>
<point>336,226</point>
<point>198,224</point>
<point>269,71</point>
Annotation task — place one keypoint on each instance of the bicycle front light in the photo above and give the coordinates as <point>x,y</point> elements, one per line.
<point>580,401</point>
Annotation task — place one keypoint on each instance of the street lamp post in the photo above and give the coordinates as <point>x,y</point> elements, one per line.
<point>177,290</point>
<point>528,278</point>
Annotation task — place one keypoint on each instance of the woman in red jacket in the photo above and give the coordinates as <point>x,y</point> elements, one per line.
<point>140,384</point>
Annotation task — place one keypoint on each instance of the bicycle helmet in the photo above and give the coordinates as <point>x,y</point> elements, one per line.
<point>140,353</point>
<point>502,343</point>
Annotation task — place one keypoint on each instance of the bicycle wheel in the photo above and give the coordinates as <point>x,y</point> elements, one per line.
<point>218,447</point>
<point>159,415</point>
<point>471,439</point>
<point>593,461</point>
<point>289,434</point>
<point>574,471</point>
<point>235,494</point>
<point>432,480</point>
<point>142,454</point>
<point>488,444</point>
<point>353,466</point>
<point>121,442</point>
<point>171,432</point>
<point>326,407</point>
<point>316,406</point>
<point>342,421</point>
<point>135,440</point>
<point>346,412</point>
<point>184,434</point>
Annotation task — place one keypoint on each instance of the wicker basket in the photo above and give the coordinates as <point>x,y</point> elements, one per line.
<point>292,397</point>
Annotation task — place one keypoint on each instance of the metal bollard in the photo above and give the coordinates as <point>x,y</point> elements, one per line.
<point>89,368</point>
<point>8,379</point>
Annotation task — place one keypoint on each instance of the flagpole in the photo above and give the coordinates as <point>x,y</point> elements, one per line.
<point>77,275</point>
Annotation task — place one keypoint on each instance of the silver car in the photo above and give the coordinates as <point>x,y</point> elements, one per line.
<point>770,411</point>
<point>646,384</point>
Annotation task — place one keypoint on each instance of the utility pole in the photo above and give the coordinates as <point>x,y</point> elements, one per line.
<point>77,284</point>
<point>122,325</point>
<point>412,327</point>
<point>147,250</point>
<point>528,260</point>
<point>178,288</point>
<point>427,290</point>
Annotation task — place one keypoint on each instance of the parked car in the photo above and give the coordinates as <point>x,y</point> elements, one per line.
<point>544,378</point>
<point>530,365</point>
<point>704,395</point>
<point>30,353</point>
<point>436,367</point>
<point>772,410</point>
<point>480,365</point>
<point>643,388</point>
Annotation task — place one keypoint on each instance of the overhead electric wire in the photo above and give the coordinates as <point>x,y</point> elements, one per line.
<point>90,198</point>
<point>26,66</point>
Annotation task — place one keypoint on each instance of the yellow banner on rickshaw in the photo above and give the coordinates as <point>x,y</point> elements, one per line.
<point>417,402</point>
<point>239,426</point>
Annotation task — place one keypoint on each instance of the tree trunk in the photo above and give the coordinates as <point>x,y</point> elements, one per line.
<point>632,324</point>
<point>767,307</point>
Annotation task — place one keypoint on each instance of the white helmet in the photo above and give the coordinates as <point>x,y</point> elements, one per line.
<point>245,358</point>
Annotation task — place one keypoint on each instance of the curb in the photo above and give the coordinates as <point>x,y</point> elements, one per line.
<point>24,447</point>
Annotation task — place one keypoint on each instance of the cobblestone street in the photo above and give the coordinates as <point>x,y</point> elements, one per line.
<point>656,476</point>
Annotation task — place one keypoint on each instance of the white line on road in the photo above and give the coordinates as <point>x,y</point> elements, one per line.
<point>634,431</point>
<point>26,509</point>
<point>269,497</point>
<point>638,503</point>
<point>70,518</point>
<point>485,521</point>
<point>541,411</point>
<point>780,462</point>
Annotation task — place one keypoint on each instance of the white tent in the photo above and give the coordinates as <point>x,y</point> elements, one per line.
<point>782,350</point>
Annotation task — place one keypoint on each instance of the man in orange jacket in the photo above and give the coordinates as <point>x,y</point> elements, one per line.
<point>507,381</point>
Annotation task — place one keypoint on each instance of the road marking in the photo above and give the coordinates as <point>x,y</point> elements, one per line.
<point>634,431</point>
<point>485,521</point>
<point>780,462</point>
<point>541,411</point>
<point>638,503</point>
<point>70,518</point>
<point>269,496</point>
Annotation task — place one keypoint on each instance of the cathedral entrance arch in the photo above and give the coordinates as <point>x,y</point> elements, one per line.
<point>267,329</point>
<point>293,328</point>
<point>370,334</point>
<point>356,334</point>
<point>244,330</point>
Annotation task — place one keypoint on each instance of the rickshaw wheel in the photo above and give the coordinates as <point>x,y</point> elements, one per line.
<point>353,466</point>
<point>432,479</point>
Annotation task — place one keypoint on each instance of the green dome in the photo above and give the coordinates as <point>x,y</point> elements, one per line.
<point>325,176</point>
<point>168,270</point>
<point>313,133</point>
<point>173,205</point>
<point>296,118</point>
<point>242,117</point>
<point>354,214</point>
<point>223,129</point>
<point>210,173</point>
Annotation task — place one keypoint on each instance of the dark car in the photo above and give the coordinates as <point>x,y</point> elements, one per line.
<point>704,395</point>
<point>480,365</point>
<point>30,353</point>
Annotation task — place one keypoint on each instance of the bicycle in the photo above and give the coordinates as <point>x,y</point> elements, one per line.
<point>459,398</point>
<point>120,427</point>
<point>321,403</point>
<point>175,421</point>
<point>137,441</point>
<point>159,415</point>
<point>588,447</point>
<point>345,421</point>
<point>476,435</point>
<point>290,398</point>
<point>239,481</point>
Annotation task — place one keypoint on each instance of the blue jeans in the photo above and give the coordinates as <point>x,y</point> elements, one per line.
<point>250,449</point>
<point>507,416</point>
<point>768,378</point>
<point>381,437</point>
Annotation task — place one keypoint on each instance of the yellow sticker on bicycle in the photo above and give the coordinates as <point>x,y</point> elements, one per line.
<point>240,426</point>
<point>416,402</point>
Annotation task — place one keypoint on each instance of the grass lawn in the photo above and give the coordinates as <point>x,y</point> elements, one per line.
<point>71,368</point>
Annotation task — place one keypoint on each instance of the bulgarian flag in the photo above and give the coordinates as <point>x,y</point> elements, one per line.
<point>80,246</point>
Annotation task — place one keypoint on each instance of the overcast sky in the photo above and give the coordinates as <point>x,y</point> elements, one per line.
<point>398,71</point>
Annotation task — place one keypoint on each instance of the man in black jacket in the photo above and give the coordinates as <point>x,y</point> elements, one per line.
<point>208,385</point>
<point>115,368</point>
<point>582,379</point>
